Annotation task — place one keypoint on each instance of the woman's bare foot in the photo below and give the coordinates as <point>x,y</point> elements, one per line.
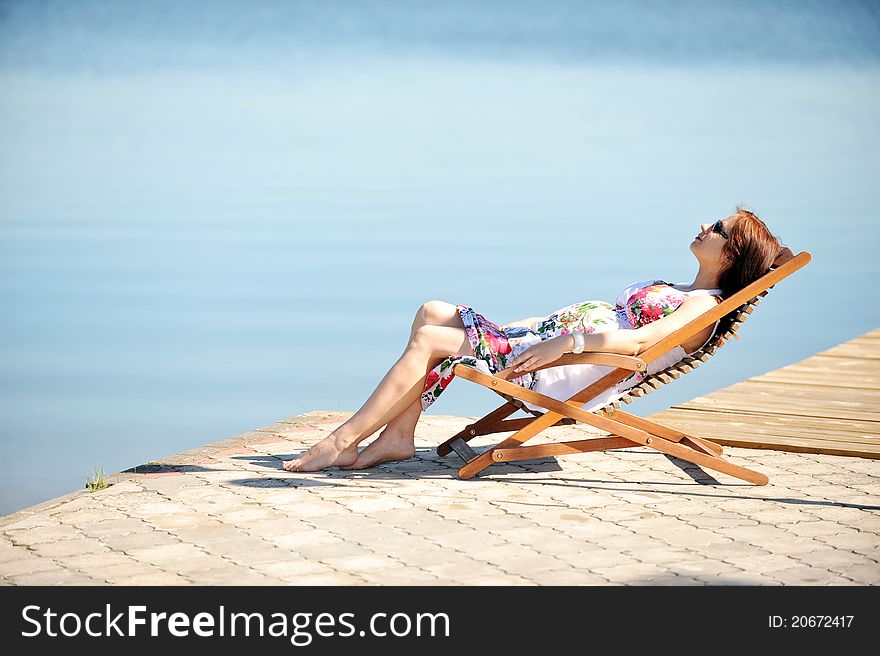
<point>332,450</point>
<point>388,447</point>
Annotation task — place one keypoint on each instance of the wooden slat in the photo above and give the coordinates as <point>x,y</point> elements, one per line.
<point>855,397</point>
<point>827,380</point>
<point>705,424</point>
<point>858,351</point>
<point>822,360</point>
<point>745,403</point>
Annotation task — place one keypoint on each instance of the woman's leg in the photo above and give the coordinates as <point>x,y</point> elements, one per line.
<point>397,441</point>
<point>397,393</point>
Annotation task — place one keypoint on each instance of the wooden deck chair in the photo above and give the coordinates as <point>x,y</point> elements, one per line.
<point>627,430</point>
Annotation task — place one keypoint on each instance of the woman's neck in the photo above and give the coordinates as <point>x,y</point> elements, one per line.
<point>706,278</point>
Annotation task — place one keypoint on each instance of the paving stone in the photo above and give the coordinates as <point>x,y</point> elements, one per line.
<point>496,579</point>
<point>96,563</point>
<point>357,564</point>
<point>499,520</point>
<point>234,574</point>
<point>335,549</point>
<point>706,570</point>
<point>403,576</point>
<point>292,570</point>
<point>862,573</point>
<point>693,538</point>
<point>766,563</point>
<point>806,576</point>
<point>169,554</point>
<point>117,525</point>
<point>833,559</point>
<point>596,557</point>
<point>305,537</point>
<point>188,519</point>
<point>39,534</point>
<point>810,527</point>
<point>156,577</point>
<point>335,579</point>
<point>529,564</point>
<point>62,548</point>
<point>469,540</point>
<point>58,576</point>
<point>635,574</point>
<point>761,535</point>
<point>28,564</point>
<point>129,541</point>
<point>566,577</point>
<point>711,522</point>
<point>27,521</point>
<point>444,562</point>
<point>246,514</point>
<point>210,533</point>
<point>9,552</point>
<point>851,541</point>
<point>251,557</point>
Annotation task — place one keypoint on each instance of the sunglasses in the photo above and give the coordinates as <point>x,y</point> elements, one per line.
<point>719,228</point>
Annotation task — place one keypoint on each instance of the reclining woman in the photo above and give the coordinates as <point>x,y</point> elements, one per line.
<point>731,253</point>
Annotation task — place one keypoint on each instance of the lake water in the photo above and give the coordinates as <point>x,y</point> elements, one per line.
<point>212,222</point>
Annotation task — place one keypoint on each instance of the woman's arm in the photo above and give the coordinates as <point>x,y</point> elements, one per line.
<point>638,340</point>
<point>624,342</point>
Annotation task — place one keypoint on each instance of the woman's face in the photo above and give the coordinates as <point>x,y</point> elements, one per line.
<point>708,245</point>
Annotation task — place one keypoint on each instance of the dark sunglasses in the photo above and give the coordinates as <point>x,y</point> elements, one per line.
<point>717,227</point>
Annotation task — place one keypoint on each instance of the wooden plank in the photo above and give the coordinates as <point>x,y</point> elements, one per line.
<point>853,351</point>
<point>755,404</point>
<point>803,446</point>
<point>828,380</point>
<point>820,363</point>
<point>702,423</point>
<point>795,393</point>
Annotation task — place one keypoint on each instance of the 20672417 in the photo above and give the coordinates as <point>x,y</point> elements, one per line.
<point>810,621</point>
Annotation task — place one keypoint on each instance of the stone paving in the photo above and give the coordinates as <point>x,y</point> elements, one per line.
<point>229,514</point>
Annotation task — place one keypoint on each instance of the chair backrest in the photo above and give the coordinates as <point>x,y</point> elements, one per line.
<point>732,313</point>
<point>727,329</point>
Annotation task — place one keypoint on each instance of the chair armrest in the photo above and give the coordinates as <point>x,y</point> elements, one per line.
<point>607,359</point>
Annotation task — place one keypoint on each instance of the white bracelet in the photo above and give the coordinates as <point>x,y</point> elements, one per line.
<point>579,342</point>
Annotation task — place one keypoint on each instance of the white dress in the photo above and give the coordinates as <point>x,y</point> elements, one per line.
<point>563,382</point>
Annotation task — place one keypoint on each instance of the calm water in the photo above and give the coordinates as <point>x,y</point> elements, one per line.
<point>211,222</point>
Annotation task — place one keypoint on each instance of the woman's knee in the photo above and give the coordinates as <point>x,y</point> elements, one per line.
<point>439,340</point>
<point>435,313</point>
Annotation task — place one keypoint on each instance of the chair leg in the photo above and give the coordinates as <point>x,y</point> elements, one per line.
<point>698,443</point>
<point>562,448</point>
<point>478,428</point>
<point>535,426</point>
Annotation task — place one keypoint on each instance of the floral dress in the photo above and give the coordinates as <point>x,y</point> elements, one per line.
<point>495,347</point>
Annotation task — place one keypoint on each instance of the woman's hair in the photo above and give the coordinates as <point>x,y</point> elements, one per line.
<point>748,252</point>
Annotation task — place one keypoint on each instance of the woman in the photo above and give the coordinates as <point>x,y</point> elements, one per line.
<point>731,253</point>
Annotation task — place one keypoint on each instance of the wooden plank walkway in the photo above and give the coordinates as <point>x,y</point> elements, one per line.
<point>828,403</point>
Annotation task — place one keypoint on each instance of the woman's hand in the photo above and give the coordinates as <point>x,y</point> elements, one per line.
<point>539,354</point>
